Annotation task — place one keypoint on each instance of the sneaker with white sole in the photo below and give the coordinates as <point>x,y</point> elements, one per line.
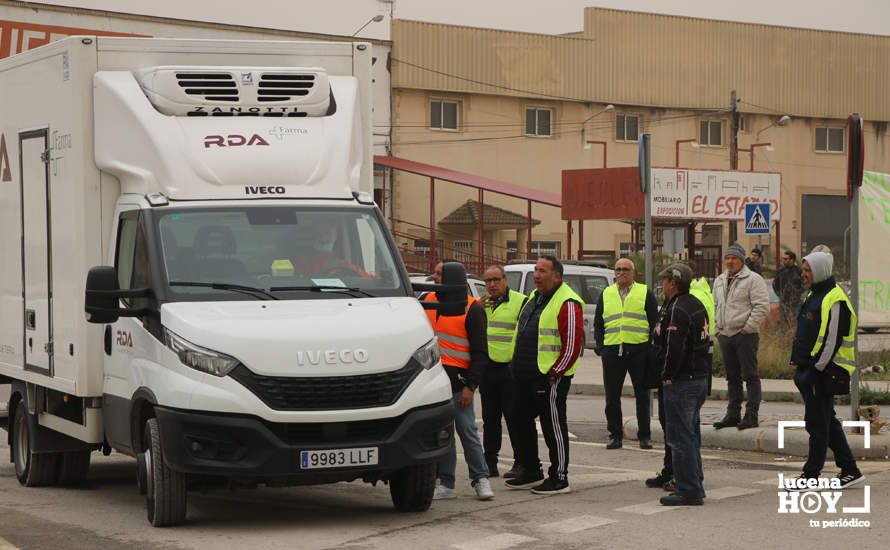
<point>483,489</point>
<point>850,478</point>
<point>552,486</point>
<point>442,493</point>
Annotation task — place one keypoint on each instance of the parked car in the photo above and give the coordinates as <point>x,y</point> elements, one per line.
<point>475,286</point>
<point>586,280</point>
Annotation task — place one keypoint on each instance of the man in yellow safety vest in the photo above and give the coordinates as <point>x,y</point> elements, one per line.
<point>824,358</point>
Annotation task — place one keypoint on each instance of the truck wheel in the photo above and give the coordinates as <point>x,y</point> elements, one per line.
<point>74,466</point>
<point>412,487</point>
<point>165,488</point>
<point>31,469</point>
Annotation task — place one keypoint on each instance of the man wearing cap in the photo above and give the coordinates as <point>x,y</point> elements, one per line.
<point>683,342</point>
<point>824,358</point>
<point>741,303</point>
<point>626,312</point>
<point>502,307</point>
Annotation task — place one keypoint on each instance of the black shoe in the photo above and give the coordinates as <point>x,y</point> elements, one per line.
<point>675,499</point>
<point>659,480</point>
<point>493,469</point>
<point>525,481</point>
<point>645,443</point>
<point>614,443</point>
<point>750,421</point>
<point>516,471</point>
<point>850,478</point>
<point>552,486</point>
<point>727,422</point>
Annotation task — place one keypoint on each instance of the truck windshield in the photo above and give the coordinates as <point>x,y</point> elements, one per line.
<point>275,252</point>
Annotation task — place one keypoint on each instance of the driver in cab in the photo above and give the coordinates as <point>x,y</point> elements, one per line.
<point>320,259</point>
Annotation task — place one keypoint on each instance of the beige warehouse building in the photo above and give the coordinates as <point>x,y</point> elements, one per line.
<point>521,108</point>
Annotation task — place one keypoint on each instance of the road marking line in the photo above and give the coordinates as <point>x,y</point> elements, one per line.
<point>729,492</point>
<point>774,481</point>
<point>580,523</point>
<point>611,477</point>
<point>540,431</point>
<point>6,545</point>
<point>495,542</point>
<point>647,508</point>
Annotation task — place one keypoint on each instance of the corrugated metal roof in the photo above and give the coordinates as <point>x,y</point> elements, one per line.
<point>468,214</point>
<point>630,58</point>
<point>470,180</point>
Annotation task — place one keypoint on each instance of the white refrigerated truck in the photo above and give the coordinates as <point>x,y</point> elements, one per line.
<point>248,318</point>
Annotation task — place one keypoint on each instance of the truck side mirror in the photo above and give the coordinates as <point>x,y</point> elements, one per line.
<point>451,295</point>
<point>103,294</point>
<point>101,300</point>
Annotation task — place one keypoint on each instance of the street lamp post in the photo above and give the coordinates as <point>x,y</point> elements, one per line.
<point>376,19</point>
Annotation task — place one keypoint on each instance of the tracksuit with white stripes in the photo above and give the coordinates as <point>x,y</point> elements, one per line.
<point>537,394</point>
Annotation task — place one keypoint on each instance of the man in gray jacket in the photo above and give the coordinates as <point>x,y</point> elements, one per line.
<point>742,303</point>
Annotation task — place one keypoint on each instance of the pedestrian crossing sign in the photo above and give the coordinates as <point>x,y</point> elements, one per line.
<point>757,218</point>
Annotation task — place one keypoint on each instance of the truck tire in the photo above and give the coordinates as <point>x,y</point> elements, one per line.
<point>31,469</point>
<point>165,493</point>
<point>73,466</point>
<point>412,487</point>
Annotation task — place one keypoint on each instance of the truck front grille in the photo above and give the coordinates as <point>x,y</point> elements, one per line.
<point>337,432</point>
<point>364,391</point>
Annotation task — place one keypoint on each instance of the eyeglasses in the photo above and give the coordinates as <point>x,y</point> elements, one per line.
<point>492,280</point>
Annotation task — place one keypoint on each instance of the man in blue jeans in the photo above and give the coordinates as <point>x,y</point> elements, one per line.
<point>464,350</point>
<point>683,341</point>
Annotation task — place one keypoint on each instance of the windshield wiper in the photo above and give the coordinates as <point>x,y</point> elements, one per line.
<point>249,290</point>
<point>326,288</point>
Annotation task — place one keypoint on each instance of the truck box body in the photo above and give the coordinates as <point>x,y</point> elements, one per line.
<point>207,173</point>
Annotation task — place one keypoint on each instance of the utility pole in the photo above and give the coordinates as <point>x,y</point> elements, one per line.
<point>734,154</point>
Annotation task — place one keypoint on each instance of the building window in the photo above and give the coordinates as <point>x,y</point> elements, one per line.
<point>627,128</point>
<point>538,122</point>
<point>743,124</point>
<point>443,114</point>
<point>463,251</point>
<point>711,133</point>
<point>829,139</point>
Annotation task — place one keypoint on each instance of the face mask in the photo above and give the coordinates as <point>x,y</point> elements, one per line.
<point>324,247</point>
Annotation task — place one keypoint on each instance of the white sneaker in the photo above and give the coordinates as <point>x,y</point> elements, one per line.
<point>442,492</point>
<point>483,489</point>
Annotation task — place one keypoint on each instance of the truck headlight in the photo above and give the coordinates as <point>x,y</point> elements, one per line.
<point>428,354</point>
<point>198,358</point>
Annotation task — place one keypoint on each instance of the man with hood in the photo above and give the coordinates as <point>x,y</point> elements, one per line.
<point>824,358</point>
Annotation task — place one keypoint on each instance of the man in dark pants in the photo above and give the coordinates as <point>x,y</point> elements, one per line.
<point>548,344</point>
<point>626,312</point>
<point>683,344</point>
<point>824,358</point>
<point>502,307</point>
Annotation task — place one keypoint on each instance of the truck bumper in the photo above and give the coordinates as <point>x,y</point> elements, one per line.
<point>254,450</point>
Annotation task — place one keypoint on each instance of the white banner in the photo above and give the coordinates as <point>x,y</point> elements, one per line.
<point>712,194</point>
<point>874,265</point>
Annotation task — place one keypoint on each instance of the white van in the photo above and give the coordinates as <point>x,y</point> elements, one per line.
<point>177,191</point>
<point>587,280</point>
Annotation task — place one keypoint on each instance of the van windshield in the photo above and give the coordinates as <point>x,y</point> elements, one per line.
<point>275,252</point>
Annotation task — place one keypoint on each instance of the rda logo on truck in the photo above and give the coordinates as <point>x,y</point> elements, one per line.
<point>332,356</point>
<point>234,140</point>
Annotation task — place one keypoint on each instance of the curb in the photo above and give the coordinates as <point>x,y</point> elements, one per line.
<point>765,439</point>
<point>716,393</point>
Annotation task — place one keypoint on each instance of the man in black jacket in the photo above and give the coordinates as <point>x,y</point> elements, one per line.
<point>823,355</point>
<point>788,286</point>
<point>683,342</point>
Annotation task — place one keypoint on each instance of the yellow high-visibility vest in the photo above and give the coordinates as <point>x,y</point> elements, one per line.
<point>702,290</point>
<point>846,354</point>
<point>549,342</point>
<point>625,323</point>
<point>502,327</point>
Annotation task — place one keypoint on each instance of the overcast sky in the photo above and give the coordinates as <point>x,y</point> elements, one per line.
<point>543,16</point>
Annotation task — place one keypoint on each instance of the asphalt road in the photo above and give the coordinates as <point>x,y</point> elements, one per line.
<point>608,508</point>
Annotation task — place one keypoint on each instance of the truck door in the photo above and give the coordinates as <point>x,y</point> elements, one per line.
<point>36,253</point>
